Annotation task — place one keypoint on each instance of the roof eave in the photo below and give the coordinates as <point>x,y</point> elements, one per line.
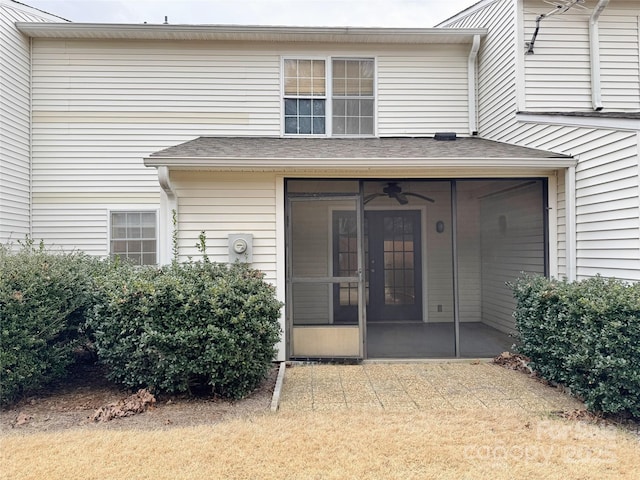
<point>248,33</point>
<point>360,163</point>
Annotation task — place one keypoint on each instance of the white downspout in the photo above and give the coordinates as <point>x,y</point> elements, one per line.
<point>471,76</point>
<point>570,223</point>
<point>594,50</point>
<point>168,204</point>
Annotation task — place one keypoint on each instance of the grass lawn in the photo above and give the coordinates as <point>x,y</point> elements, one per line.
<point>488,444</point>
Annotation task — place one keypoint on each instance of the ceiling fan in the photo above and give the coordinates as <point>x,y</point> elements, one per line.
<point>393,190</point>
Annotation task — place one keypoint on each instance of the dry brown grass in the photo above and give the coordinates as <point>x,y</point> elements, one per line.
<point>327,445</point>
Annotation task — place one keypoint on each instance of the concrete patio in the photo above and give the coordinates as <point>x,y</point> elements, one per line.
<point>417,386</point>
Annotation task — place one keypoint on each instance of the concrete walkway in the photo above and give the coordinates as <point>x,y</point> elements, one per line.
<point>416,386</point>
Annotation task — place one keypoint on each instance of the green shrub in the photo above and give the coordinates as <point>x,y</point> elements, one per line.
<point>185,326</point>
<point>43,298</point>
<point>585,335</point>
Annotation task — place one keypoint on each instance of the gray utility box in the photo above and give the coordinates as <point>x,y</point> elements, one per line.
<point>240,247</point>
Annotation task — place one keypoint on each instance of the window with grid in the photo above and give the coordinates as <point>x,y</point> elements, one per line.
<point>350,89</point>
<point>133,237</point>
<point>304,97</point>
<point>352,96</point>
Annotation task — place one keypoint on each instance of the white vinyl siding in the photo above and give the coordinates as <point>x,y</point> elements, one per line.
<point>512,241</point>
<point>558,74</point>
<point>496,66</point>
<point>221,204</point>
<point>100,107</point>
<point>607,196</point>
<point>68,227</point>
<point>423,91</point>
<point>14,121</point>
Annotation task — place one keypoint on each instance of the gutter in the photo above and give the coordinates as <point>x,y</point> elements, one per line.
<point>471,75</point>
<point>594,51</point>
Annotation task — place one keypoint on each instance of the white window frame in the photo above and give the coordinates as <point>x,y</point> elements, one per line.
<point>328,97</point>
<point>133,209</point>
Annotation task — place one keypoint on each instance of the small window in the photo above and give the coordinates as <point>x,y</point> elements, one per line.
<point>133,237</point>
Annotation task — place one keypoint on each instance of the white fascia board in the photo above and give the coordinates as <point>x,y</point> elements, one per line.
<point>249,33</point>
<point>630,124</point>
<point>364,164</point>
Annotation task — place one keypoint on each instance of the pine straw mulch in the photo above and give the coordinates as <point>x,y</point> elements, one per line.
<point>88,400</point>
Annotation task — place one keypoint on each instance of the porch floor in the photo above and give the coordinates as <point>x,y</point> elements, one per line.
<point>430,386</point>
<point>434,340</point>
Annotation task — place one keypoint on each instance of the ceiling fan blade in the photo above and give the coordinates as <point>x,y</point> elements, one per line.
<point>401,198</point>
<point>368,198</point>
<point>420,196</point>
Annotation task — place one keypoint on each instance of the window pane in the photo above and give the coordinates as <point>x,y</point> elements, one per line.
<point>133,219</point>
<point>366,108</point>
<point>304,68</point>
<point>149,259</point>
<point>119,232</point>
<point>290,86</point>
<point>318,125</point>
<point>318,108</point>
<point>353,87</point>
<point>134,246</point>
<point>339,107</point>
<point>366,69</point>
<point>290,107</point>
<point>304,125</point>
<point>148,219</point>
<point>353,126</point>
<point>353,69</point>
<point>118,219</point>
<point>134,232</point>
<point>366,126</point>
<point>339,87</point>
<point>304,107</point>
<point>353,108</point>
<point>339,125</point>
<point>339,69</point>
<point>291,68</point>
<point>149,232</point>
<point>291,125</point>
<point>366,87</point>
<point>118,246</point>
<point>148,246</point>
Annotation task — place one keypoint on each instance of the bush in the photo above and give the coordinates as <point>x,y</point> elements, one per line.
<point>43,298</point>
<point>584,335</point>
<point>185,326</point>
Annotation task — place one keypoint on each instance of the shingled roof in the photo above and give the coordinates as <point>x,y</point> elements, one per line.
<point>327,152</point>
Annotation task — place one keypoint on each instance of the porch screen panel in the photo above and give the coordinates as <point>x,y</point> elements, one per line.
<point>322,259</point>
<point>313,276</point>
<point>501,233</point>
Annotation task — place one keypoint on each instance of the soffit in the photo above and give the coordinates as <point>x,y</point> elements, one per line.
<point>250,33</point>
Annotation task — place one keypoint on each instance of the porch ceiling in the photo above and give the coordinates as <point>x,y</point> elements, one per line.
<point>286,154</point>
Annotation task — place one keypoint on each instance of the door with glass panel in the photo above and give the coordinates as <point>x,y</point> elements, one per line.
<point>393,265</point>
<point>312,277</point>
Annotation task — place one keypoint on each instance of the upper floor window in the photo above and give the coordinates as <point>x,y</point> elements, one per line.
<point>304,97</point>
<point>133,236</point>
<point>308,88</point>
<point>352,97</point>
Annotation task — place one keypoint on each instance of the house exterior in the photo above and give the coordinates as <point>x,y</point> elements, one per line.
<point>388,182</point>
